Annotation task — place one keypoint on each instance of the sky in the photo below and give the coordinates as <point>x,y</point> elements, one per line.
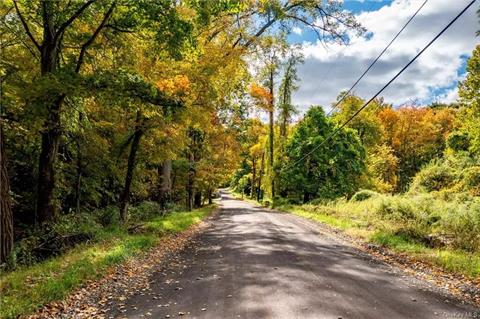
<point>433,77</point>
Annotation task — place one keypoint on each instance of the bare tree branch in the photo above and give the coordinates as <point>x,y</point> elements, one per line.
<point>259,33</point>
<point>118,29</point>
<point>25,25</point>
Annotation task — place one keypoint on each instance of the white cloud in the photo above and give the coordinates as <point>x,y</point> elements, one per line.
<point>449,96</point>
<point>327,72</point>
<point>297,30</point>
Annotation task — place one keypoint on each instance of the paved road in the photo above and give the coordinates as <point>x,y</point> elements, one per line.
<point>253,263</point>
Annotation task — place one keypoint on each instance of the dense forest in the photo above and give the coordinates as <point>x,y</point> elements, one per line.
<point>114,112</point>
<point>112,103</point>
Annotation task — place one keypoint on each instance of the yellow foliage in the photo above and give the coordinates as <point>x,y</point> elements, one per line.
<point>179,84</point>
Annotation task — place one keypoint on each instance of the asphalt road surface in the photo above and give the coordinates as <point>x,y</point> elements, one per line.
<point>255,263</point>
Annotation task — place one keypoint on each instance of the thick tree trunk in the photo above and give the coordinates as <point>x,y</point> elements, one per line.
<point>50,50</point>
<point>197,201</point>
<point>209,195</point>
<point>51,135</point>
<point>125,197</point>
<point>164,183</point>
<point>306,197</point>
<point>45,209</point>
<point>6,215</point>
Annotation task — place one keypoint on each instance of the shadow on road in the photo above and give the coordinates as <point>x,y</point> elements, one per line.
<point>253,263</point>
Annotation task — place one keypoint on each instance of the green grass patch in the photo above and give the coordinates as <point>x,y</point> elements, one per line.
<point>28,288</point>
<point>452,260</point>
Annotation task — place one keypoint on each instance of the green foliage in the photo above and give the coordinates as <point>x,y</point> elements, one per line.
<point>471,180</point>
<point>328,172</point>
<point>468,91</point>
<point>69,230</point>
<point>362,195</point>
<point>434,177</point>
<point>144,211</point>
<point>458,141</point>
<point>366,124</point>
<point>451,175</point>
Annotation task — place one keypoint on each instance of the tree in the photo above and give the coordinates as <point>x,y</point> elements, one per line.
<point>6,215</point>
<point>469,92</point>
<point>416,136</point>
<point>326,19</point>
<point>327,172</point>
<point>62,53</point>
<point>287,87</point>
<point>366,123</point>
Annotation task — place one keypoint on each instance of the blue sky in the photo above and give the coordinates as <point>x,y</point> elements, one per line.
<point>434,77</point>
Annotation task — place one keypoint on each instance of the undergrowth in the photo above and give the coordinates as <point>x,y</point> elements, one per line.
<point>28,287</point>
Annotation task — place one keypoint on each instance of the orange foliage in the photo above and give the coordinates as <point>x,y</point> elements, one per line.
<point>261,95</point>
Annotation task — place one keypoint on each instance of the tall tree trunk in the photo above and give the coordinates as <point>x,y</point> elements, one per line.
<point>165,183</point>
<point>271,135</point>
<point>125,197</point>
<point>209,195</point>
<point>254,177</point>
<point>306,197</point>
<point>259,188</point>
<point>198,199</point>
<point>283,127</point>
<point>191,178</point>
<point>6,215</point>
<point>51,135</point>
<point>78,179</point>
<point>50,48</point>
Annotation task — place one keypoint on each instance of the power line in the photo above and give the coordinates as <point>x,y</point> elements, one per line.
<point>388,83</point>
<point>330,68</point>
<point>377,58</point>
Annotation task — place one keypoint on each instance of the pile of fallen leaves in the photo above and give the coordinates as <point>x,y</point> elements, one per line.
<point>97,297</point>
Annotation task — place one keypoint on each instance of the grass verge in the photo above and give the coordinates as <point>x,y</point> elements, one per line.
<point>28,288</point>
<point>452,260</point>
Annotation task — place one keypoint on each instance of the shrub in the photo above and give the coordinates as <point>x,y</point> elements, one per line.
<point>434,177</point>
<point>107,216</point>
<point>279,201</point>
<point>471,180</point>
<point>363,194</point>
<point>414,217</point>
<point>52,239</point>
<point>144,211</point>
<point>458,141</point>
<point>319,201</point>
<point>462,224</point>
